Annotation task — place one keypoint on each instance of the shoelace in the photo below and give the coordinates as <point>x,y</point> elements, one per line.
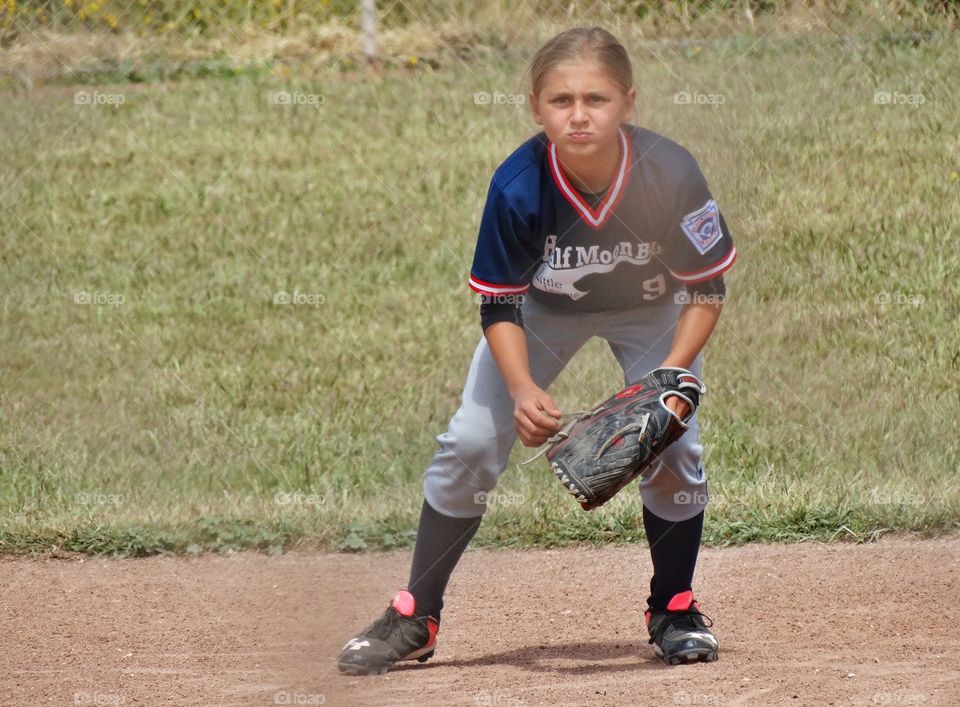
<point>384,627</point>
<point>687,620</point>
<point>684,620</point>
<point>386,624</point>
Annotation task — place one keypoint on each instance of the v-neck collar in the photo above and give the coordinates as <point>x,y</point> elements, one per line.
<point>595,217</point>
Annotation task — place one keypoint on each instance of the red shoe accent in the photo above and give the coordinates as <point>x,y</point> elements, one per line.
<point>433,626</point>
<point>404,603</point>
<point>682,601</point>
<point>646,617</point>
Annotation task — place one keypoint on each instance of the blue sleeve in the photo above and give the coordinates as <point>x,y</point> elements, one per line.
<point>504,261</point>
<point>697,244</point>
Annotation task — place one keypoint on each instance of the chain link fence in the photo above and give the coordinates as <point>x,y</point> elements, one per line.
<point>136,40</point>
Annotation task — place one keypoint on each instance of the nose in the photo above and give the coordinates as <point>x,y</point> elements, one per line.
<point>579,114</point>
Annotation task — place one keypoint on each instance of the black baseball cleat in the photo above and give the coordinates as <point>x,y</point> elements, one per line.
<point>680,634</point>
<point>397,635</point>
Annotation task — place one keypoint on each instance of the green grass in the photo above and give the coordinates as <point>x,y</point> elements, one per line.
<point>188,412</point>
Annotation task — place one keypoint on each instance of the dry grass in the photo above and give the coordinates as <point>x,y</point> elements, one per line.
<point>318,36</point>
<point>196,413</point>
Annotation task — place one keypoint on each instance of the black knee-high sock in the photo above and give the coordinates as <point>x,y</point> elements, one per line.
<point>674,548</point>
<point>441,541</point>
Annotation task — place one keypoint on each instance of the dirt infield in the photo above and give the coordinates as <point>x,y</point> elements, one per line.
<point>798,624</point>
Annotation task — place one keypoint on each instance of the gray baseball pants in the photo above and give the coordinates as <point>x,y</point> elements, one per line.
<point>476,446</point>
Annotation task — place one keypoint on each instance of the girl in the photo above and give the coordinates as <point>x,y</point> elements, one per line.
<point>612,231</point>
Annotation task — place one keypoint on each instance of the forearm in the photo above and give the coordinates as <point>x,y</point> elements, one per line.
<point>508,344</point>
<point>696,324</point>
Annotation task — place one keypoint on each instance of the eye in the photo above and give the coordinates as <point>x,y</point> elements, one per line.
<point>561,99</point>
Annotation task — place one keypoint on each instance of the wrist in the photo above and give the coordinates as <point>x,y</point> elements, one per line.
<point>677,362</point>
<point>516,388</point>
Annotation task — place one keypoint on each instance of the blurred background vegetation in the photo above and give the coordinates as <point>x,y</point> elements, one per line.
<point>143,39</point>
<point>233,309</point>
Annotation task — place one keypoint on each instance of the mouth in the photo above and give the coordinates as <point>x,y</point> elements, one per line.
<point>579,136</point>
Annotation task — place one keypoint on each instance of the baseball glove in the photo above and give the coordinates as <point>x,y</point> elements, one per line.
<point>602,450</point>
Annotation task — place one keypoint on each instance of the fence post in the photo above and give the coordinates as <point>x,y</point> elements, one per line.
<point>368,21</point>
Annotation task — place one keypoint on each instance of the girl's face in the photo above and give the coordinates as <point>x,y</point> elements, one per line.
<point>581,108</point>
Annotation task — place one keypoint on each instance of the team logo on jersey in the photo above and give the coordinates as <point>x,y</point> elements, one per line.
<point>564,266</point>
<point>703,227</point>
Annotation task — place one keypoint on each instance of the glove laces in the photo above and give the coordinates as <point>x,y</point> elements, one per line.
<point>564,432</point>
<point>640,425</point>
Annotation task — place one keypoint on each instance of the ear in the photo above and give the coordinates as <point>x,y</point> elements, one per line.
<point>534,108</point>
<point>631,99</point>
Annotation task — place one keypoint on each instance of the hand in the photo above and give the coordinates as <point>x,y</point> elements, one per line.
<point>535,415</point>
<point>678,405</point>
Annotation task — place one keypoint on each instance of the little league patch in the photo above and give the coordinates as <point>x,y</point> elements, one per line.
<point>703,226</point>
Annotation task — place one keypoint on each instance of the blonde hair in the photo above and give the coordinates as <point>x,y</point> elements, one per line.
<point>578,44</point>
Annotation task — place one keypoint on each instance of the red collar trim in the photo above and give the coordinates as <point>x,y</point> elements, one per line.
<point>594,217</point>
